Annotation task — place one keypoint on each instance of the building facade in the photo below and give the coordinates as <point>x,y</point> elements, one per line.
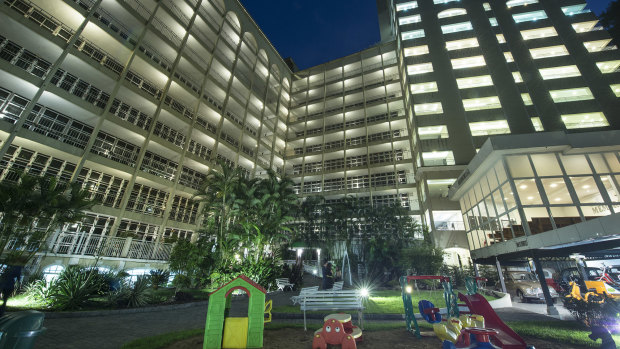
<point>137,99</point>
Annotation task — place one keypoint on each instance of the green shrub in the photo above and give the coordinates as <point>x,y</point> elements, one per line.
<point>39,291</point>
<point>264,272</point>
<point>159,277</point>
<point>181,281</point>
<point>137,295</point>
<point>74,288</point>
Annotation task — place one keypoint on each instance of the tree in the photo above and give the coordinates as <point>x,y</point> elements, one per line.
<point>610,19</point>
<point>31,209</point>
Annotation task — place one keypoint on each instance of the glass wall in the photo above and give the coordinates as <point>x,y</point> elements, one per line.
<point>553,190</point>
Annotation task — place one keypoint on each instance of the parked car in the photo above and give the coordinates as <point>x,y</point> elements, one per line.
<point>550,280</point>
<point>525,286</point>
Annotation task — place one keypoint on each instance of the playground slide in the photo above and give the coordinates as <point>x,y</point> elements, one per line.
<point>506,337</point>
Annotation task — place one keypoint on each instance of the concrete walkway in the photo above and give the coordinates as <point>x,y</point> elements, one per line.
<point>112,331</point>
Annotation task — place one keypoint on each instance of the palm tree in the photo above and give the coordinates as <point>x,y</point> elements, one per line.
<point>33,207</point>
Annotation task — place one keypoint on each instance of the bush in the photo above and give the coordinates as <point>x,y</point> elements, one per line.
<point>181,281</point>
<point>264,272</point>
<point>159,277</point>
<point>136,295</point>
<point>75,287</point>
<point>38,291</point>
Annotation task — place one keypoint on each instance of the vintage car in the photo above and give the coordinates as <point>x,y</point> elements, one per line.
<point>525,286</point>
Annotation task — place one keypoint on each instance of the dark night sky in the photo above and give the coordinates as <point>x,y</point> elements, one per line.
<point>315,32</point>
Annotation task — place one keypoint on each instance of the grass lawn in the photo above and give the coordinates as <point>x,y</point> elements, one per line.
<point>569,332</point>
<point>387,302</point>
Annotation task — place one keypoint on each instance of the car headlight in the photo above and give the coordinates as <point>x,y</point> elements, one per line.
<point>533,290</point>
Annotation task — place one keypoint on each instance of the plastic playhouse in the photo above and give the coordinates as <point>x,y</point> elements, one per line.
<point>223,331</point>
<point>477,327</point>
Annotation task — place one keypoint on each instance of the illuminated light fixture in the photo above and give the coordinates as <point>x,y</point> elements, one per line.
<point>558,199</point>
<point>586,187</point>
<point>408,289</point>
<point>523,186</point>
<point>530,198</point>
<point>553,185</point>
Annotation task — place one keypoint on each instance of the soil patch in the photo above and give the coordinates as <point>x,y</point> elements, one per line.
<point>394,339</point>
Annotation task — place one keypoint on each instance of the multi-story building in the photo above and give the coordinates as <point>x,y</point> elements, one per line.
<point>137,99</point>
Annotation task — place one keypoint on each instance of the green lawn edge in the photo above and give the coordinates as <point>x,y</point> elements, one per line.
<point>567,332</point>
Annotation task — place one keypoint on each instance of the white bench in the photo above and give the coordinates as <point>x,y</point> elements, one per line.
<point>303,292</point>
<point>333,300</point>
<point>338,286</point>
<point>283,284</point>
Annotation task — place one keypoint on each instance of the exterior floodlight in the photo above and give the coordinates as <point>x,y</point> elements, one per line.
<point>364,292</point>
<point>409,289</point>
<point>314,272</point>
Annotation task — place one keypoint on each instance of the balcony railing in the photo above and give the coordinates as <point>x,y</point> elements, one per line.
<point>82,244</point>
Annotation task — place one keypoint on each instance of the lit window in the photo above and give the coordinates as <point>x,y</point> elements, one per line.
<point>584,120</point>
<point>575,9</point>
<point>468,62</point>
<point>433,132</point>
<point>486,6</point>
<point>407,6</point>
<point>527,99</point>
<point>538,33</point>
<point>537,124</point>
<point>474,81</point>
<point>514,3</point>
<point>598,45</point>
<point>416,51</point>
<point>461,44</point>
<point>529,16</point>
<point>571,95</point>
<point>438,158</point>
<point>584,26</point>
<point>559,72</point>
<point>424,87</point>
<point>551,51</point>
<point>52,272</point>
<point>517,76</point>
<point>409,19</point>
<point>414,34</point>
<point>493,22</point>
<point>616,89</point>
<point>453,12</point>
<point>481,103</point>
<point>608,67</point>
<point>456,27</point>
<point>428,108</point>
<point>509,57</point>
<point>500,38</point>
<point>421,68</point>
<point>438,2</point>
<point>485,128</point>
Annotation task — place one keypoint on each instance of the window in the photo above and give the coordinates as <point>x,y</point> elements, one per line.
<point>608,67</point>
<point>407,6</point>
<point>409,19</point>
<point>584,26</point>
<point>500,38</point>
<point>438,158</point>
<point>481,103</point>
<point>469,62</point>
<point>537,124</point>
<point>529,16</point>
<point>559,72</point>
<point>538,33</point>
<point>584,120</point>
<point>456,27</point>
<point>527,99</point>
<point>575,9</point>
<point>416,51</point>
<point>556,190</point>
<point>452,12</point>
<point>52,272</point>
<point>474,81</point>
<point>461,44</point>
<point>598,45</point>
<point>421,68</point>
<point>616,89</point>
<point>433,132</point>
<point>517,76</point>
<point>571,95</point>
<point>424,87</point>
<point>514,3</point>
<point>551,51</point>
<point>428,108</point>
<point>486,128</point>
<point>414,34</point>
<point>508,56</point>
<point>487,6</point>
<point>439,2</point>
<point>493,22</point>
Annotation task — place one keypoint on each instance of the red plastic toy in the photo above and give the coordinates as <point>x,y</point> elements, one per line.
<point>333,333</point>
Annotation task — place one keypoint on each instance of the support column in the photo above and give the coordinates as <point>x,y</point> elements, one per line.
<point>501,275</point>
<point>551,310</point>
<point>476,271</point>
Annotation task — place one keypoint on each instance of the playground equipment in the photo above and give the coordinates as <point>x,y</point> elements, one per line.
<point>337,330</point>
<point>236,332</point>
<point>407,289</point>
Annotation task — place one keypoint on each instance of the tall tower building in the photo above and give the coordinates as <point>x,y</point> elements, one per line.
<point>137,99</point>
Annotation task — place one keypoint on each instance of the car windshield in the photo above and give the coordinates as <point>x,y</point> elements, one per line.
<point>524,276</point>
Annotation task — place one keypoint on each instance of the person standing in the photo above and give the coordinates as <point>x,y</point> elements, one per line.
<point>328,276</point>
